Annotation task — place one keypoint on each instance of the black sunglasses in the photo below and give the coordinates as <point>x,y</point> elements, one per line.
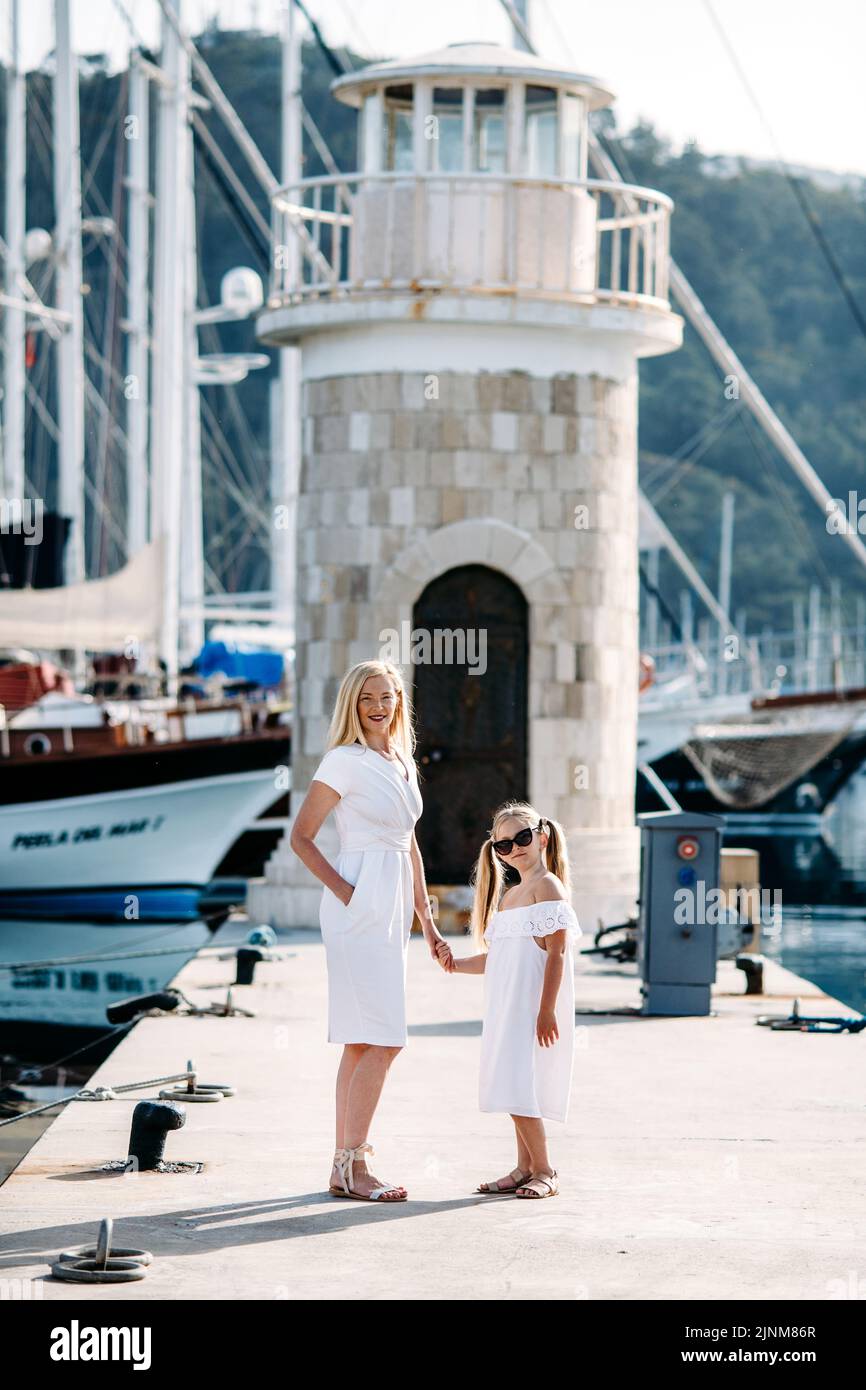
<point>522,838</point>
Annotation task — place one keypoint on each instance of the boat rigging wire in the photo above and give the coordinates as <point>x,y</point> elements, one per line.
<point>337,68</point>
<point>756,439</point>
<point>134,953</point>
<point>772,475</point>
<point>246,213</point>
<point>813,221</point>
<point>692,451</point>
<point>34,1072</point>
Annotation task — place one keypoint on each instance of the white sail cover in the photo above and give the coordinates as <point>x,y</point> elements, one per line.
<point>98,615</point>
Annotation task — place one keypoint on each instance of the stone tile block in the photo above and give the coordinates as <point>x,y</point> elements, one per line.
<point>530,434</point>
<point>477,435</point>
<point>453,505</point>
<point>404,433</point>
<point>402,506</point>
<point>553,441</point>
<point>516,392</point>
<point>381,429</point>
<point>429,506</point>
<point>359,430</point>
<point>564,394</point>
<point>503,431</point>
<point>491,391</point>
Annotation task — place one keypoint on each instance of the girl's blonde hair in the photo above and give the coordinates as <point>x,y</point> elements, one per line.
<point>345,724</point>
<point>488,875</point>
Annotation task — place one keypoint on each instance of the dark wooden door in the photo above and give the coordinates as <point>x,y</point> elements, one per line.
<point>471,728</point>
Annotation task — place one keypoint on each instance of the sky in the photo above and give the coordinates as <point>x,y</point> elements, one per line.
<point>664,59</point>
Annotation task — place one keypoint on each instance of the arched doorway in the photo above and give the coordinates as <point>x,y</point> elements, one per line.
<point>471,727</point>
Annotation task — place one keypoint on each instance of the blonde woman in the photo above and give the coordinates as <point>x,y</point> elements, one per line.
<point>369,780</point>
<point>525,941</point>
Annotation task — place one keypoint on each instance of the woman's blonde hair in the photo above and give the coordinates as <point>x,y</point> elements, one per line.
<point>488,875</point>
<point>345,724</point>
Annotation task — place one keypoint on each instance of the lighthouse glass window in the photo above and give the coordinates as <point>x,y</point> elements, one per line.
<point>541,132</point>
<point>398,129</point>
<point>446,130</point>
<point>489,152</point>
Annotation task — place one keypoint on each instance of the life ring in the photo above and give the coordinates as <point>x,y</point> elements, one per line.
<point>647,672</point>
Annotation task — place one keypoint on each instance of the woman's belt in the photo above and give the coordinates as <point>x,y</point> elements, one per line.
<point>359,841</point>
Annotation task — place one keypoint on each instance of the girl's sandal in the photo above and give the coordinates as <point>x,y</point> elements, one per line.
<point>533,1188</point>
<point>496,1189</point>
<point>343,1160</point>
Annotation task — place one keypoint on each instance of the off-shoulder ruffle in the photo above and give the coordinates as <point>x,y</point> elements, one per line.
<point>534,919</point>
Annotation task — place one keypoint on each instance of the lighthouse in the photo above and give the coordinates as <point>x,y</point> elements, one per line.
<point>471,309</point>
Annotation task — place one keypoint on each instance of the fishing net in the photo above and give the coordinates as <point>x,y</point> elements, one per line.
<point>746,765</point>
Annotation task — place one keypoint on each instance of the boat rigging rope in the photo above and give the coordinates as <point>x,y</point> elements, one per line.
<point>135,954</point>
<point>99,1093</point>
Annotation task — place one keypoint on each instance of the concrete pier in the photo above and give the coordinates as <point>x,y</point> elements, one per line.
<point>704,1158</point>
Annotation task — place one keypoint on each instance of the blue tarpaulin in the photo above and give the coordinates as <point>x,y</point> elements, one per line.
<point>263,667</point>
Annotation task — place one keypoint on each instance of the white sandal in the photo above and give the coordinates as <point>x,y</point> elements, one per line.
<point>495,1189</point>
<point>343,1160</point>
<point>530,1191</point>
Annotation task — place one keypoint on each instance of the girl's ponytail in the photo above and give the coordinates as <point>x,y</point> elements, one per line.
<point>486,878</point>
<point>556,854</point>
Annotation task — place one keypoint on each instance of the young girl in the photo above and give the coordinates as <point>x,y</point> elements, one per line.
<point>526,939</point>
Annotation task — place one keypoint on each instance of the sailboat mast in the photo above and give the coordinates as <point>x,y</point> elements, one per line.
<point>67,244</point>
<point>13,480</point>
<point>519,16</point>
<point>137,364</point>
<point>286,418</point>
<point>168,332</point>
<point>191,634</point>
<point>726,559</point>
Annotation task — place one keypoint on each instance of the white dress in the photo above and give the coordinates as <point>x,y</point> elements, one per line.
<point>366,942</point>
<point>518,1075</point>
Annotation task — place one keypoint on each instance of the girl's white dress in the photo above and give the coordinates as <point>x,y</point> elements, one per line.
<point>366,943</point>
<point>518,1075</point>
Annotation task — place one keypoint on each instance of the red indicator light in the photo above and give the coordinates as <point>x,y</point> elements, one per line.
<point>688,847</point>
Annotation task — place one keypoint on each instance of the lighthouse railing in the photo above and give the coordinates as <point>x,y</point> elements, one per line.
<point>586,241</point>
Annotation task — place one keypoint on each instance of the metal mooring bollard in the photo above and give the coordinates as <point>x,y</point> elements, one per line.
<point>125,1009</point>
<point>151,1122</point>
<point>248,958</point>
<point>752,967</point>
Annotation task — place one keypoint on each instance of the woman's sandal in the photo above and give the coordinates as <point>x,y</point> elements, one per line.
<point>343,1160</point>
<point>496,1189</point>
<point>532,1189</point>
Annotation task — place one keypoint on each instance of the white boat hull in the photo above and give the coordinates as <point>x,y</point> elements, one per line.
<point>91,967</point>
<point>129,855</point>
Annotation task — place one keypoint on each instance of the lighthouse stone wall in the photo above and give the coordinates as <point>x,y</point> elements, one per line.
<point>406,475</point>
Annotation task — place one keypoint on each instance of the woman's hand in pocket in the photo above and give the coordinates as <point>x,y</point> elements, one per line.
<point>346,893</point>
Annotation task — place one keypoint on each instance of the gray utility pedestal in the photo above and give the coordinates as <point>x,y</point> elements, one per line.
<point>680,870</point>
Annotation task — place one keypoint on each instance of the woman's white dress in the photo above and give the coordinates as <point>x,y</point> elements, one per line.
<point>518,1075</point>
<point>366,942</point>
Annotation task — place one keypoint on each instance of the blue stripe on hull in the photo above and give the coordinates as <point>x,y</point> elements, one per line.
<point>178,902</point>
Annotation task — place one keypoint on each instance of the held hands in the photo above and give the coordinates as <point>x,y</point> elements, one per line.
<point>445,956</point>
<point>546,1030</point>
<point>441,951</point>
